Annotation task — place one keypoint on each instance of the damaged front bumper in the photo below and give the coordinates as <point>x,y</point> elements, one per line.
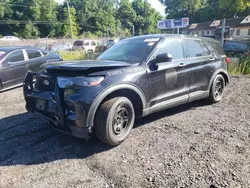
<point>45,98</point>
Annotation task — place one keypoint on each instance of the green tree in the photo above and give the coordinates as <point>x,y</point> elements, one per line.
<point>66,27</point>
<point>146,17</point>
<point>183,8</point>
<point>30,31</point>
<point>235,6</point>
<point>126,14</point>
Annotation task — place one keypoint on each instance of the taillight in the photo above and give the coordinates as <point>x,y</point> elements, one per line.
<point>228,60</point>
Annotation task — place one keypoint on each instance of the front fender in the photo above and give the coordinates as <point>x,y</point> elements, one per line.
<point>102,95</point>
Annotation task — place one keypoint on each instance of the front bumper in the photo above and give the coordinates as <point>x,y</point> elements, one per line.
<point>52,107</point>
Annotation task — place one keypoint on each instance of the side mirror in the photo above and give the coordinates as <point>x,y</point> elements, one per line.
<point>163,58</point>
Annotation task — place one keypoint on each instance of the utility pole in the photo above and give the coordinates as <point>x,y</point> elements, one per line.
<point>108,33</point>
<point>133,30</point>
<point>70,22</point>
<point>223,31</point>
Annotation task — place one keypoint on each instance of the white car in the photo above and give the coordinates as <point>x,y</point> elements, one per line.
<point>9,38</point>
<point>88,46</point>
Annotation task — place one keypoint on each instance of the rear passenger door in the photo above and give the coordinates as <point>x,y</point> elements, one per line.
<point>35,59</point>
<point>200,61</point>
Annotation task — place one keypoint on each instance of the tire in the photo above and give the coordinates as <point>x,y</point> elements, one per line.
<point>114,120</point>
<point>217,89</point>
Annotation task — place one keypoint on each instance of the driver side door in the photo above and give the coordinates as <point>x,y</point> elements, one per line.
<point>168,82</point>
<point>14,68</point>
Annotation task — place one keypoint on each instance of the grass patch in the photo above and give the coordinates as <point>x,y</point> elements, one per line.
<point>72,55</point>
<point>242,67</point>
<point>77,55</point>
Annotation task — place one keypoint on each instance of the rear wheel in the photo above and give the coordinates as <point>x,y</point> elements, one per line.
<point>217,89</point>
<point>114,120</point>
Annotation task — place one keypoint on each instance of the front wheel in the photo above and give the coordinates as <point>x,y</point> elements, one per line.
<point>217,89</point>
<point>114,120</point>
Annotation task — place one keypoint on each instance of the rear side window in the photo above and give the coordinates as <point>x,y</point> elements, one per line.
<point>174,47</point>
<point>86,43</point>
<point>14,57</point>
<point>44,52</point>
<point>93,43</point>
<point>32,54</point>
<point>216,47</point>
<point>196,48</point>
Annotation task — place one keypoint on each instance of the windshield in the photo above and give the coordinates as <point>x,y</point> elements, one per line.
<point>130,51</point>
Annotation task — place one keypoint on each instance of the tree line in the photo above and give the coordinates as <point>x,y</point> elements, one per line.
<point>35,18</point>
<point>45,18</point>
<point>206,10</point>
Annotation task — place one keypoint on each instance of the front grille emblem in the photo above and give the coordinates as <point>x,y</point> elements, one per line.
<point>46,82</point>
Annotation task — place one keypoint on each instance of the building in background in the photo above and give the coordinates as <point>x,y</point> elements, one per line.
<point>239,28</point>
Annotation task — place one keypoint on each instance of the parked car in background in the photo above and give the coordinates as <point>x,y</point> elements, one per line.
<point>237,47</point>
<point>60,47</point>
<point>89,46</point>
<point>15,62</point>
<point>103,45</point>
<point>134,78</point>
<point>9,38</point>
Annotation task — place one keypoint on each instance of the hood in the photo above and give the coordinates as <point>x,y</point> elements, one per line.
<point>85,65</point>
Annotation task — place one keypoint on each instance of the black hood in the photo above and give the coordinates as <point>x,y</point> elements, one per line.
<point>85,65</point>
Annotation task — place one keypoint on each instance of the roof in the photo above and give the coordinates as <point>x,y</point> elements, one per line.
<point>11,48</point>
<point>231,22</point>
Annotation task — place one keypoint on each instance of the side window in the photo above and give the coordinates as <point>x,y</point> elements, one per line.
<point>93,43</point>
<point>14,57</point>
<point>32,54</point>
<point>174,47</point>
<point>86,43</point>
<point>196,48</point>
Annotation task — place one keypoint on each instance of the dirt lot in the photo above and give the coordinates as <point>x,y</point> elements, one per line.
<point>193,145</point>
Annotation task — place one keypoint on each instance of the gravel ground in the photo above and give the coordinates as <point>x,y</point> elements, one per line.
<point>194,145</point>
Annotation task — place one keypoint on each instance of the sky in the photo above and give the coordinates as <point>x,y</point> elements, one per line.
<point>154,3</point>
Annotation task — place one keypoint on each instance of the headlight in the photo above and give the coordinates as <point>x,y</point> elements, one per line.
<point>69,82</point>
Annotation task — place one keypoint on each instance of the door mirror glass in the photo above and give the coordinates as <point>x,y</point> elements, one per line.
<point>163,58</point>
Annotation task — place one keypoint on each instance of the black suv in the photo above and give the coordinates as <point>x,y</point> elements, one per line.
<point>134,78</point>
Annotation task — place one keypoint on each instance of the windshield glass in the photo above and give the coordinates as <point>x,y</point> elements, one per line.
<point>130,51</point>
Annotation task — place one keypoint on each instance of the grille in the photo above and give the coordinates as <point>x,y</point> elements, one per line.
<point>45,83</point>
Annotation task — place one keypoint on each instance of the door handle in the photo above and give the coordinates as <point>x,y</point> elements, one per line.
<point>25,66</point>
<point>182,64</point>
<point>211,59</point>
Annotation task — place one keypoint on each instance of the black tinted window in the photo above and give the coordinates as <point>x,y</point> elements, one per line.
<point>32,54</point>
<point>93,43</point>
<point>196,48</point>
<point>78,43</point>
<point>172,46</point>
<point>14,57</point>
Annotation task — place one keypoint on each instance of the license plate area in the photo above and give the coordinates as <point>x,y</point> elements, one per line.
<point>41,104</point>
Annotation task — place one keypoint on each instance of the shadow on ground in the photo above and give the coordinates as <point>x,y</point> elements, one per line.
<point>26,140</point>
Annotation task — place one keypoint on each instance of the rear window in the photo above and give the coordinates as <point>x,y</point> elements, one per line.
<point>78,43</point>
<point>236,47</point>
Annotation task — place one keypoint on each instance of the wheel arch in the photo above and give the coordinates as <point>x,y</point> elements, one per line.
<point>132,92</point>
<point>223,73</point>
